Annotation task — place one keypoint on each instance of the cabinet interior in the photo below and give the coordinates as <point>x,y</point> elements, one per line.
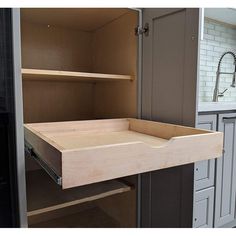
<point>88,58</point>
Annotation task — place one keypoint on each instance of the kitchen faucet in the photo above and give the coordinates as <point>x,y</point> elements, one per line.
<point>218,73</point>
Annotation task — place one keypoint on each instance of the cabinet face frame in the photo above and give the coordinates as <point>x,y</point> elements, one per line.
<point>139,108</point>
<point>203,185</point>
<point>208,181</point>
<point>219,219</point>
<point>19,117</point>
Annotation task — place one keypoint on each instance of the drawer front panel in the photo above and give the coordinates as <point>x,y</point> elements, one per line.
<point>203,210</point>
<point>204,174</point>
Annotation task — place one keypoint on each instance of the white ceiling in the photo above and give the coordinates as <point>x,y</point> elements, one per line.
<point>227,15</point>
<point>87,19</point>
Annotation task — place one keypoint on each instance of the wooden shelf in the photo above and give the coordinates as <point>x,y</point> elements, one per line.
<point>91,218</point>
<point>55,75</point>
<point>85,152</point>
<point>43,195</point>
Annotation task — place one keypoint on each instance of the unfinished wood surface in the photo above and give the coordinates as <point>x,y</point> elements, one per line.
<point>55,75</point>
<point>46,101</point>
<point>43,195</point>
<point>78,140</point>
<point>121,207</point>
<point>115,51</point>
<point>55,48</point>
<point>86,19</point>
<point>90,218</point>
<point>61,212</point>
<point>65,49</point>
<point>140,147</point>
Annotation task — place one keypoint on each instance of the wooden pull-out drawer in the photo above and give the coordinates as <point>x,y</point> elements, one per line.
<point>84,152</point>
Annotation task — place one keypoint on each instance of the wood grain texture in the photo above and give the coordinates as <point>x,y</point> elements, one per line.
<point>55,48</point>
<point>121,207</point>
<point>46,101</point>
<point>103,159</point>
<point>38,183</point>
<point>58,213</point>
<point>66,49</point>
<point>90,218</point>
<point>55,75</point>
<point>86,19</point>
<point>115,51</point>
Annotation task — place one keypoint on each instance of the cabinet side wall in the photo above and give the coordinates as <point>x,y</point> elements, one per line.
<point>56,48</point>
<point>115,51</point>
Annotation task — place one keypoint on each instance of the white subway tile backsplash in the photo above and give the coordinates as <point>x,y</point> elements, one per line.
<point>209,25</point>
<point>220,28</point>
<point>208,36</point>
<point>211,63</point>
<point>231,41</point>
<point>212,55</point>
<point>203,52</point>
<point>202,63</point>
<point>210,85</point>
<point>207,68</point>
<point>218,38</point>
<point>213,32</point>
<point>220,49</point>
<point>211,73</point>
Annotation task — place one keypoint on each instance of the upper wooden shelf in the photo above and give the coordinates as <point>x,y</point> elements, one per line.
<point>55,75</point>
<point>85,152</point>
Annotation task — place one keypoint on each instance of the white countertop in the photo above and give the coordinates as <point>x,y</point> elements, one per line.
<point>216,106</point>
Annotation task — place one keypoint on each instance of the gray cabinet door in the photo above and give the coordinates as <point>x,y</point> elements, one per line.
<point>169,82</point>
<point>170,52</point>
<point>204,171</point>
<point>203,210</point>
<point>226,172</point>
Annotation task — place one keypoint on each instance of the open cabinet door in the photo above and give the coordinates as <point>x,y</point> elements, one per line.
<point>12,185</point>
<point>169,93</point>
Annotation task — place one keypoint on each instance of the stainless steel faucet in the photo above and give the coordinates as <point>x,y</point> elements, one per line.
<point>218,94</point>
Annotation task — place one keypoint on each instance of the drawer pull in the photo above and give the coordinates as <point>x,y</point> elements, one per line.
<point>233,118</point>
<point>29,151</point>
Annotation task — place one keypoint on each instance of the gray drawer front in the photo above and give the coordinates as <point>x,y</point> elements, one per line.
<point>203,210</point>
<point>205,170</point>
<point>204,174</point>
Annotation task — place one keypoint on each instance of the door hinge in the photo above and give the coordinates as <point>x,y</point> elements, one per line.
<point>142,30</point>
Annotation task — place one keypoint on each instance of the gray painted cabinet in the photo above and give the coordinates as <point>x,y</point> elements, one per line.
<point>169,91</point>
<point>204,177</point>
<point>203,208</point>
<point>215,190</point>
<point>226,172</point>
<point>169,72</point>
